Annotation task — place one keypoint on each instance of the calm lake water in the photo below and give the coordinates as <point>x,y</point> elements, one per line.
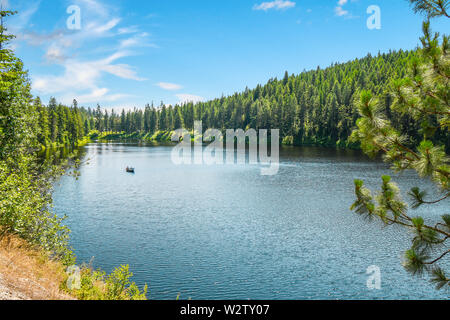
<point>226,232</point>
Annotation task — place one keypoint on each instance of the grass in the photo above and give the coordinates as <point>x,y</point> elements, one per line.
<point>27,273</point>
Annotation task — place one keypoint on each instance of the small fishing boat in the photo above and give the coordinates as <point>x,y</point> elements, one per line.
<point>130,170</point>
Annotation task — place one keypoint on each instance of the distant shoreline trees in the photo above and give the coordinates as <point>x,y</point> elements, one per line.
<point>317,107</point>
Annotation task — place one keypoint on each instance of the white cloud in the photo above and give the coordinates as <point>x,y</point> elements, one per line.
<point>277,5</point>
<point>340,12</point>
<point>123,71</point>
<point>84,75</point>
<point>96,23</point>
<point>95,7</point>
<point>186,98</point>
<point>130,42</point>
<point>100,94</point>
<point>22,20</point>
<point>128,30</point>
<point>138,40</point>
<point>80,79</point>
<point>169,86</point>
<point>104,28</point>
<point>54,54</point>
<point>38,39</point>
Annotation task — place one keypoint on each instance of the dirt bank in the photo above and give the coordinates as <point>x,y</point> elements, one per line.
<point>27,274</point>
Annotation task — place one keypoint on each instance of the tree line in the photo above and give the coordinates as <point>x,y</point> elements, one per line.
<point>61,125</point>
<point>317,107</point>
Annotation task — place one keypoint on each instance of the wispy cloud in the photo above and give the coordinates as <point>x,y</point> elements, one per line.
<point>83,78</point>
<point>128,30</point>
<point>138,40</point>
<point>23,19</point>
<point>105,27</point>
<point>80,79</point>
<point>54,55</point>
<point>94,6</point>
<point>340,11</point>
<point>277,5</point>
<point>169,86</point>
<point>186,98</point>
<point>95,96</point>
<point>38,39</point>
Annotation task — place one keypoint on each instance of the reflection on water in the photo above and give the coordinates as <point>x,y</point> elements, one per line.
<point>226,232</point>
<point>57,155</point>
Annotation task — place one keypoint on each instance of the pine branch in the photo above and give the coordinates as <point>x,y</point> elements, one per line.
<point>438,230</point>
<point>436,201</point>
<point>437,259</point>
<point>432,8</point>
<point>418,197</point>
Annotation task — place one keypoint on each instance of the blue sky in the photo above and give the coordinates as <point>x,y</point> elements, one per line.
<point>132,52</point>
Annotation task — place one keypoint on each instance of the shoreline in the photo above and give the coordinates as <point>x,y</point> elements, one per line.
<point>165,137</point>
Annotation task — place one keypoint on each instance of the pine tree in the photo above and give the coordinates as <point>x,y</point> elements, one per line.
<point>178,119</point>
<point>53,121</point>
<point>147,113</point>
<point>163,120</point>
<point>123,120</point>
<point>112,121</point>
<point>44,131</point>
<point>99,116</point>
<point>424,96</point>
<point>153,121</point>
<point>87,126</point>
<point>106,121</point>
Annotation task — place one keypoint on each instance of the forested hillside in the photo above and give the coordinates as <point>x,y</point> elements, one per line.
<point>315,107</point>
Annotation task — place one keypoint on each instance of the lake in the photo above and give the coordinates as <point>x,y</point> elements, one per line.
<point>227,232</point>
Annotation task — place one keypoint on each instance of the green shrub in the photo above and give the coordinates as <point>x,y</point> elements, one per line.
<point>96,285</point>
